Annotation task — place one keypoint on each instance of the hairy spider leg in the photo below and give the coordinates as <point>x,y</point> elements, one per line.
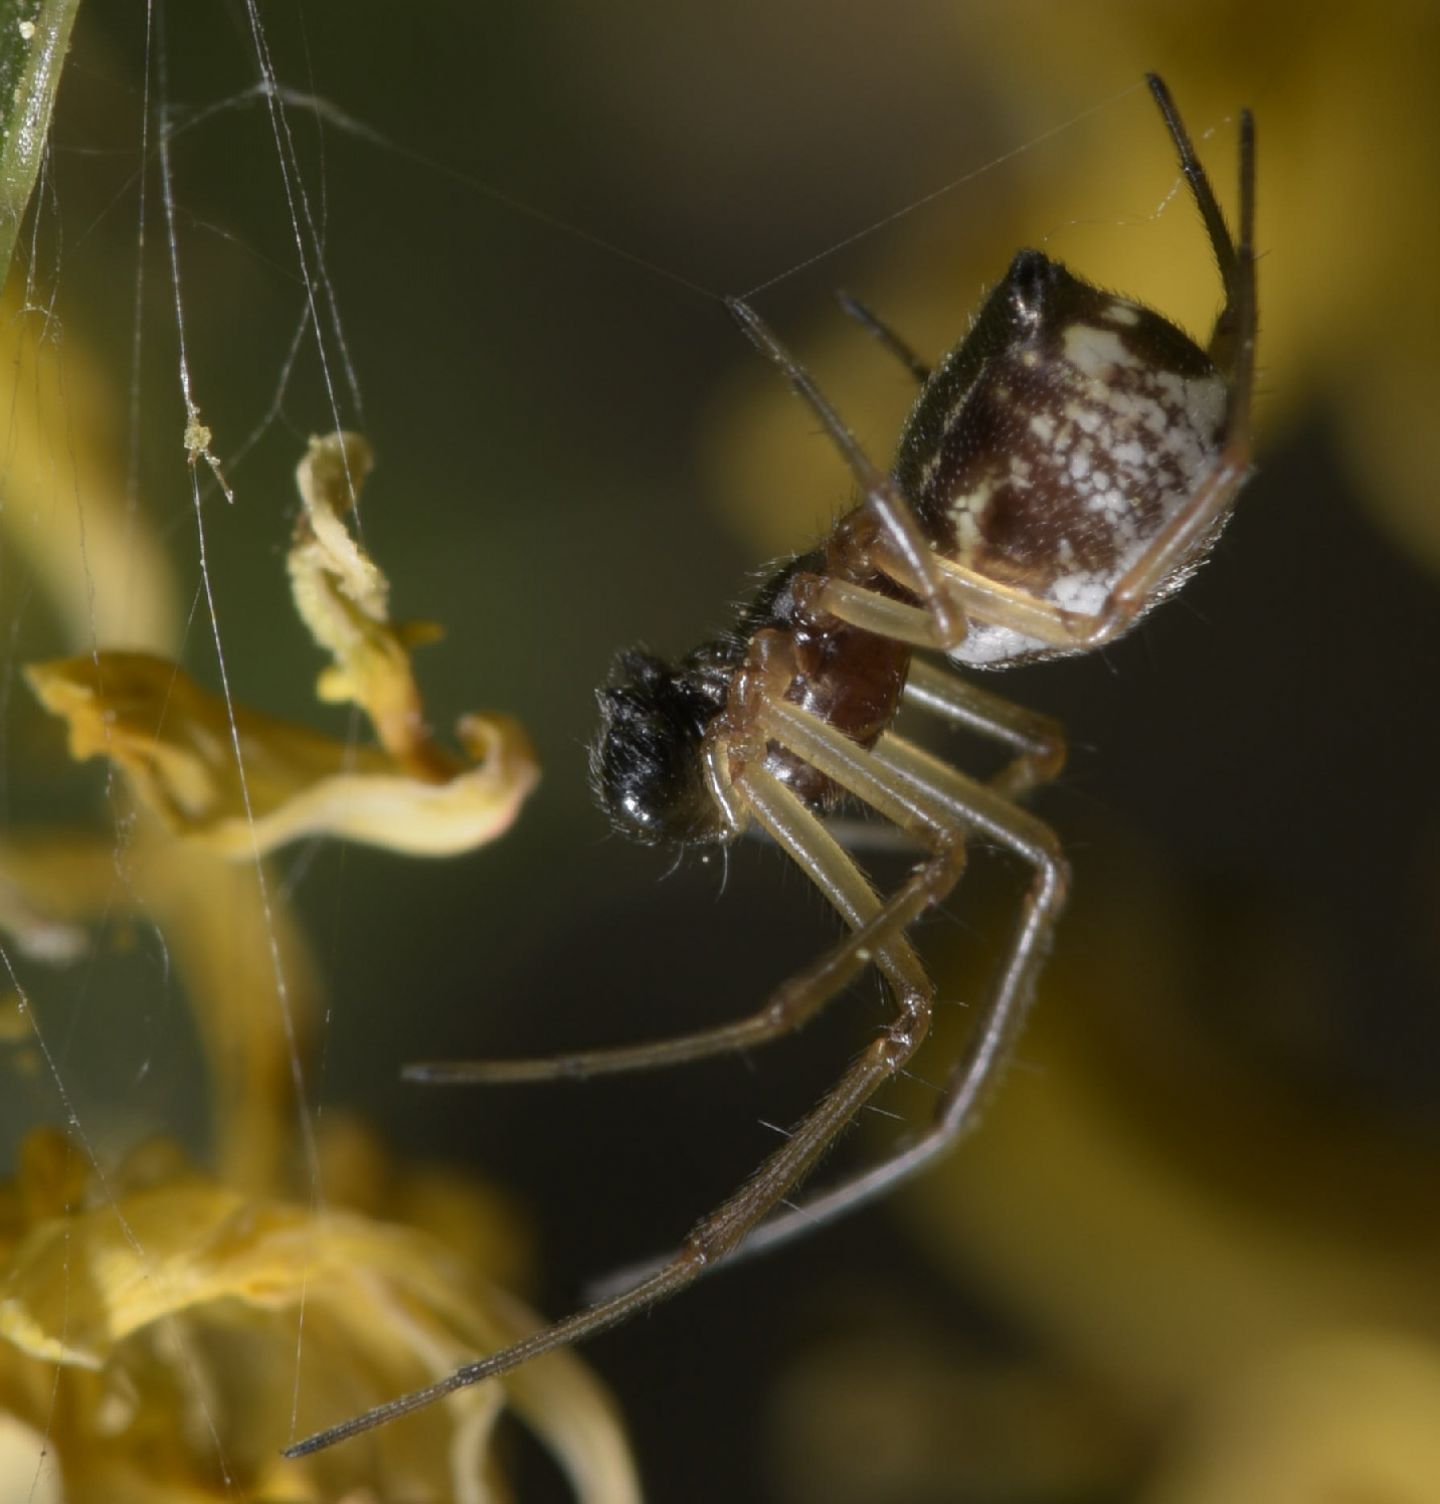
<point>713,1237</point>
<point>991,1042</point>
<point>1227,256</point>
<point>1004,605</point>
<point>907,784</point>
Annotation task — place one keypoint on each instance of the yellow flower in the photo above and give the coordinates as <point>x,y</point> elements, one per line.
<point>166,1335</point>
<point>176,742</point>
<point>242,783</point>
<point>164,1331</point>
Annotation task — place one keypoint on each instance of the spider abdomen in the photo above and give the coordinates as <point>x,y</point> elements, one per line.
<point>1050,450</point>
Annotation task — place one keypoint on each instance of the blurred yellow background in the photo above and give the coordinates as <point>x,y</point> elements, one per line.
<point>1191,1256</point>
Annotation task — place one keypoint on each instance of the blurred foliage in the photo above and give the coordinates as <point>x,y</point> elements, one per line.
<point>1205,1261</point>
<point>104,578</point>
<point>34,38</point>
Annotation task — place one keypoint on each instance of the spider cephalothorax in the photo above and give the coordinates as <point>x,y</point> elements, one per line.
<point>645,762</point>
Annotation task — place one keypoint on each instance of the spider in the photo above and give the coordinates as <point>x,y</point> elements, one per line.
<point>1064,469</point>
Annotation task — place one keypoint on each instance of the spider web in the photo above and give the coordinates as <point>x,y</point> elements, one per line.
<point>269,222</point>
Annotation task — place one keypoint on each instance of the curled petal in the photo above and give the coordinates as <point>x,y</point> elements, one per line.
<point>343,598</point>
<point>177,745</point>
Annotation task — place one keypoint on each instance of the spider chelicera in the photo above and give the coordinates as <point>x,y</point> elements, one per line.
<point>1063,470</point>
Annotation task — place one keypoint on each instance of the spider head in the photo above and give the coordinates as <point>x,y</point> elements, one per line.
<point>645,762</point>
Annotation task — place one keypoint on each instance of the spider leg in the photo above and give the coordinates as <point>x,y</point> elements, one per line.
<point>886,335</point>
<point>904,781</point>
<point>717,1234</point>
<point>914,788</point>
<point>713,1237</point>
<point>1038,741</point>
<point>877,936</point>
<point>1199,181</point>
<point>1232,346</point>
<point>1236,264</point>
<point>886,502</point>
<point>1004,1013</point>
<point>1039,745</point>
<point>972,593</point>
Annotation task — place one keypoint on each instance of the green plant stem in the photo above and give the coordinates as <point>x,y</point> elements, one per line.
<point>34,37</point>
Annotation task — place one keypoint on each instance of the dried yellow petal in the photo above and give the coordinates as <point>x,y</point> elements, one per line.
<point>343,598</point>
<point>192,1310</point>
<point>177,745</point>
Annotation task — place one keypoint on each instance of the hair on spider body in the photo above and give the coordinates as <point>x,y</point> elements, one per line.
<point>646,762</point>
<point>645,766</point>
<point>1062,470</point>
